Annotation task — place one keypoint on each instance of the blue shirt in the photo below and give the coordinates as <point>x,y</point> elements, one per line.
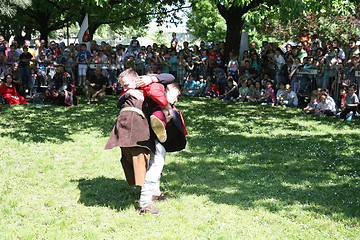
<point>191,85</point>
<point>83,57</point>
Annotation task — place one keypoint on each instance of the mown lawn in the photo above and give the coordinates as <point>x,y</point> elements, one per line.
<point>248,172</point>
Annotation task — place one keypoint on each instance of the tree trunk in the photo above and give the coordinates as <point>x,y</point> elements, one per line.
<point>233,35</point>
<point>44,34</point>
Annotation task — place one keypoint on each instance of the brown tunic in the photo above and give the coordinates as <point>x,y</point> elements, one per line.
<point>132,133</point>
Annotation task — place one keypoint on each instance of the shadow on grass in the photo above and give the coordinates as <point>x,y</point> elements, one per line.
<point>57,123</point>
<point>277,173</point>
<point>107,192</point>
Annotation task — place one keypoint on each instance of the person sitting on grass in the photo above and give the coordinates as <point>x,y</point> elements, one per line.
<point>269,96</point>
<point>343,97</point>
<point>325,107</point>
<point>243,91</point>
<point>96,86</point>
<point>8,91</point>
<point>259,92</point>
<point>191,87</point>
<point>351,103</point>
<point>291,99</point>
<point>281,93</point>
<point>231,90</point>
<point>213,90</point>
<point>310,108</point>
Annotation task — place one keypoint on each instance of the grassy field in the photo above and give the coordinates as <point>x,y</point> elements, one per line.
<point>248,172</point>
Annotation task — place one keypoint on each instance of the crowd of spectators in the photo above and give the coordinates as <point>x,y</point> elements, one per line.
<point>271,74</point>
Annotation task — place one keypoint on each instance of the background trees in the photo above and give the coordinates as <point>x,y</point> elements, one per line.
<point>272,18</point>
<point>46,16</point>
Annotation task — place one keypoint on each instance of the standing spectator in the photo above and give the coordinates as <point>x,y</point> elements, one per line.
<point>12,55</point>
<point>3,62</point>
<point>25,59</point>
<point>233,68</point>
<point>173,61</point>
<point>352,68</point>
<point>37,48</point>
<point>83,59</point>
<point>351,51</point>
<point>181,70</point>
<point>212,61</point>
<point>174,41</point>
<point>341,53</point>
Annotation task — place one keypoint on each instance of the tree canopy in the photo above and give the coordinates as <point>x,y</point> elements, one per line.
<point>49,15</point>
<point>276,17</point>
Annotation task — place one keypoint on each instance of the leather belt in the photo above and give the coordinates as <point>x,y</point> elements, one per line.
<point>132,109</point>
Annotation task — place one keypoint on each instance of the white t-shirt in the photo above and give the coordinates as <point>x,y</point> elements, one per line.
<point>233,65</point>
<point>291,95</point>
<point>280,60</point>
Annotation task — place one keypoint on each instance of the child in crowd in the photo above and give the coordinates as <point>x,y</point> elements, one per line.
<point>351,103</point>
<point>220,79</point>
<point>233,67</point>
<point>231,91</point>
<point>212,91</point>
<point>33,82</point>
<point>243,91</point>
<point>325,107</point>
<point>343,97</point>
<point>269,95</point>
<point>281,93</point>
<point>251,92</point>
<point>291,99</point>
<point>83,59</point>
<point>310,108</point>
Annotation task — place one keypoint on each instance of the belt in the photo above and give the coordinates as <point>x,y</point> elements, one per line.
<point>132,109</point>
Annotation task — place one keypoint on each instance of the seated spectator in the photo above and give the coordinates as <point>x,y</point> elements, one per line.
<point>259,92</point>
<point>8,91</point>
<point>343,97</point>
<point>231,90</point>
<point>212,91</point>
<point>310,108</point>
<point>281,94</point>
<point>191,87</point>
<point>291,99</point>
<point>61,89</point>
<point>351,103</point>
<point>243,91</point>
<point>220,79</point>
<point>251,92</point>
<point>325,107</point>
<point>96,86</point>
<point>269,95</point>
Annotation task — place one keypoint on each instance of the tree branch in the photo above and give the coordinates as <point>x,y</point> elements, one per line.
<point>147,14</point>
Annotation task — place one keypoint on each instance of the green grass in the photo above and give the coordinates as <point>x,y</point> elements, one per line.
<point>248,172</point>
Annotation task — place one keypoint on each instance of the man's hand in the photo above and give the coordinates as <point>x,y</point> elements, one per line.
<point>135,93</point>
<point>143,81</point>
<point>94,95</point>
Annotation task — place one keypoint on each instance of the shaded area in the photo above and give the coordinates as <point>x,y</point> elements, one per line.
<point>57,123</point>
<point>107,192</point>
